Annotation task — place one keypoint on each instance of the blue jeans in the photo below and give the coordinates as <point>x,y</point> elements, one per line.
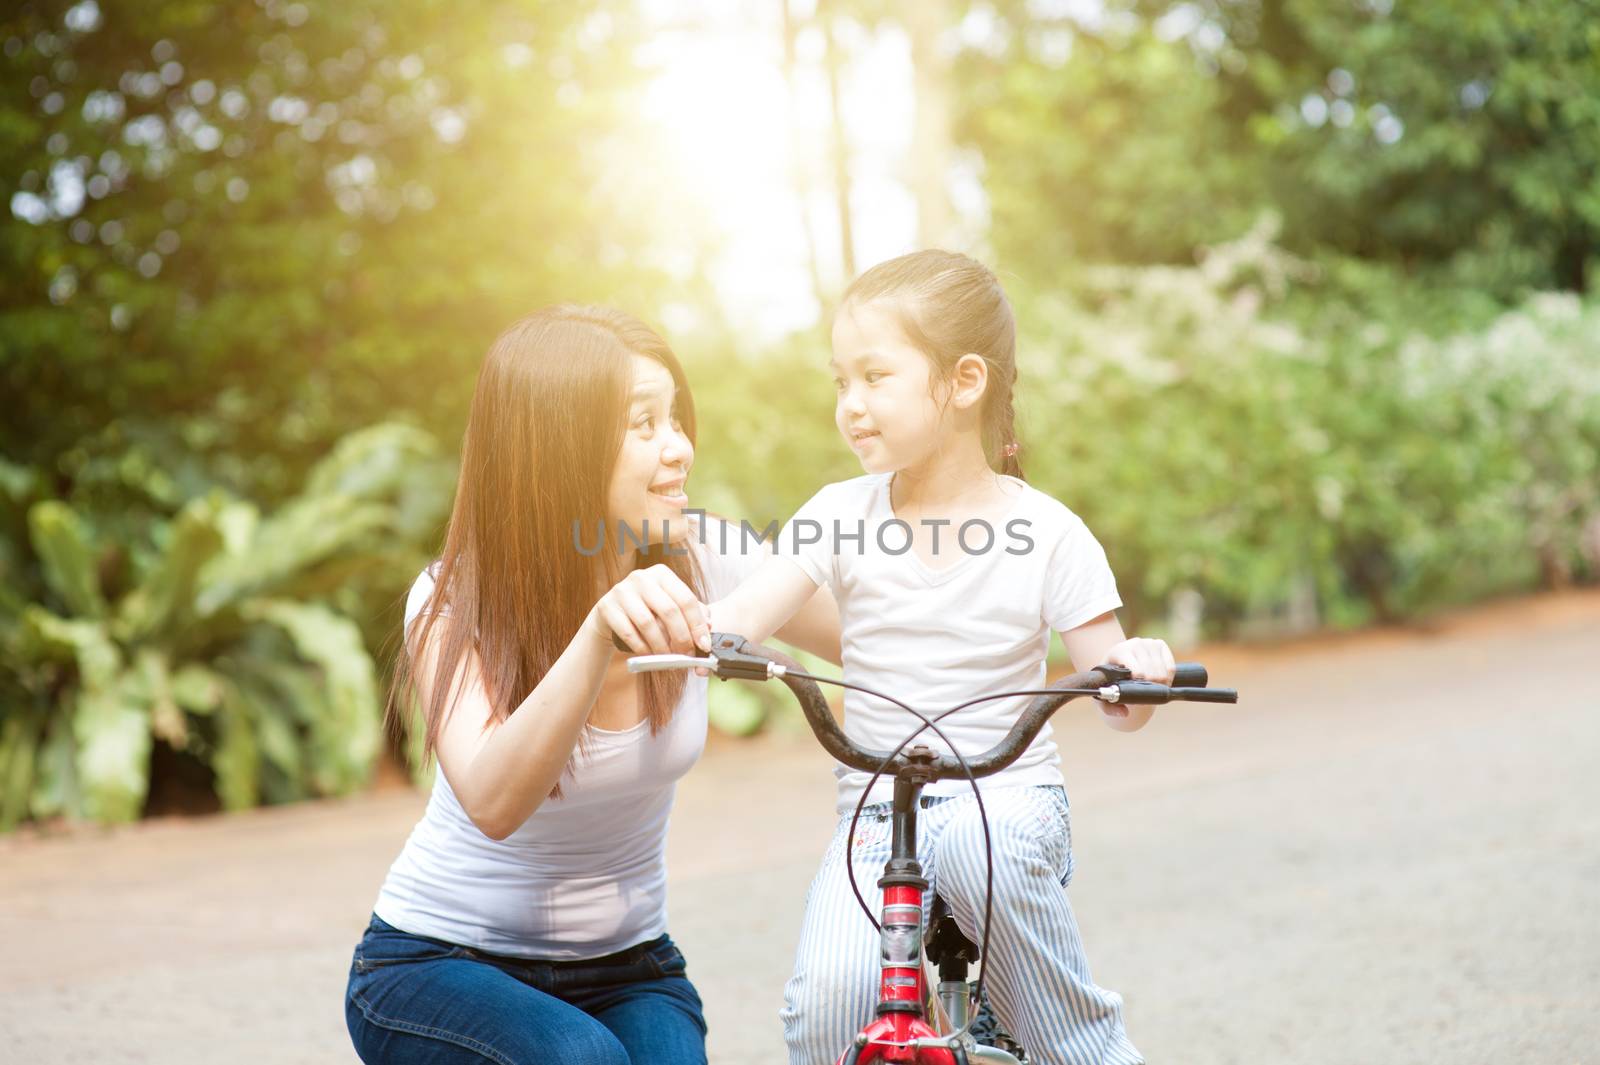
<point>419,1001</point>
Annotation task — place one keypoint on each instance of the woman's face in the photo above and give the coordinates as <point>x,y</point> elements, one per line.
<point>647,483</point>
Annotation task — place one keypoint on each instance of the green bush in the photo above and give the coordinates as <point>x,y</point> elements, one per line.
<point>227,642</point>
<point>1220,436</point>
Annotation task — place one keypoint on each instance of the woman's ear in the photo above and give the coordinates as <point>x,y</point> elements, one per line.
<point>969,381</point>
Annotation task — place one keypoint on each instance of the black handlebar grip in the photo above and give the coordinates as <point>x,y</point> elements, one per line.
<point>1206,695</point>
<point>1142,691</point>
<point>1184,674</point>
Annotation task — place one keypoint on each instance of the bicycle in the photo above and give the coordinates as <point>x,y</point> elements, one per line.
<point>902,1032</point>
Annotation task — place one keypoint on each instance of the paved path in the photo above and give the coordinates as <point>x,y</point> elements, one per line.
<point>1390,852</point>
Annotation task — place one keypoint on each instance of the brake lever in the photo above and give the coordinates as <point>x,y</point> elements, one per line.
<point>1114,673</point>
<point>733,661</point>
<point>653,663</point>
<point>728,659</point>
<point>638,663</point>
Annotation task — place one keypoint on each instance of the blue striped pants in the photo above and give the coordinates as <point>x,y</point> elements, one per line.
<point>1036,976</point>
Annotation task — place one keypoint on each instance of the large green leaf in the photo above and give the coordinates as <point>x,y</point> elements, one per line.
<point>237,759</point>
<point>272,715</point>
<point>110,716</point>
<point>237,520</point>
<point>197,689</point>
<point>167,721</point>
<point>19,742</point>
<point>297,684</point>
<point>66,557</point>
<point>166,598</point>
<point>56,789</point>
<point>371,463</point>
<point>112,730</point>
<point>84,642</point>
<point>18,483</point>
<point>302,535</point>
<point>19,487</point>
<point>11,601</point>
<point>343,740</point>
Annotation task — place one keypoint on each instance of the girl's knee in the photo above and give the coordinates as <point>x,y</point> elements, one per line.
<point>807,996</point>
<point>823,1011</point>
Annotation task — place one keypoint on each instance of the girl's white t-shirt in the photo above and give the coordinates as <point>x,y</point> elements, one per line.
<point>585,875</point>
<point>936,637</point>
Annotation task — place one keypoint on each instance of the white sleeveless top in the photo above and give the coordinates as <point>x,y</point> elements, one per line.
<point>586,874</point>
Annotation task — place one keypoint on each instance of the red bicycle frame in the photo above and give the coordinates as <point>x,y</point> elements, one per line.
<point>901,1032</point>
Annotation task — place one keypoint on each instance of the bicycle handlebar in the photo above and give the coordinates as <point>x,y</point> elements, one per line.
<point>732,656</point>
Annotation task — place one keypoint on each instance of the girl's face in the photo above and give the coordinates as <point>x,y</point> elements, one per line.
<point>647,483</point>
<point>886,407</point>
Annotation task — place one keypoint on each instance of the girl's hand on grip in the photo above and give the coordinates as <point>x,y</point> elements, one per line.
<point>1146,659</point>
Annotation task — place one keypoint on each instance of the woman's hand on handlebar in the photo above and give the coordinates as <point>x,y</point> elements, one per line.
<point>652,611</point>
<point>1146,659</point>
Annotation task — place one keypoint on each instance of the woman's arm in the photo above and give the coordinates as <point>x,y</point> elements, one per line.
<point>1102,641</point>
<point>501,771</point>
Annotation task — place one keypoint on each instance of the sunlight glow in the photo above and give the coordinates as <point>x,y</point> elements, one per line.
<point>736,142</point>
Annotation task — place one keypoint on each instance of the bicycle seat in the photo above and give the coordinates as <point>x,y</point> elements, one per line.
<point>945,938</point>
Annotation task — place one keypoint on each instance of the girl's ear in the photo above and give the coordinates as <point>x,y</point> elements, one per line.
<point>969,381</point>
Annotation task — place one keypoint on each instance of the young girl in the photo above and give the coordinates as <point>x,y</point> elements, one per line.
<point>949,577</point>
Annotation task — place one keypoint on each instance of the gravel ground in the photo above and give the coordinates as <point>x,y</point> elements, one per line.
<point>1390,851</point>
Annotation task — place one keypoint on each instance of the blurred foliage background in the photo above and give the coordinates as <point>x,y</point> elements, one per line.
<point>1305,290</point>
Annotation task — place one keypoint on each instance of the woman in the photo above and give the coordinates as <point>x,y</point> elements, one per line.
<point>525,919</point>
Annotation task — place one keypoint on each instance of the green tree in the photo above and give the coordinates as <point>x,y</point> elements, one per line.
<point>1109,147</point>
<point>1436,134</point>
<point>1438,137</point>
<point>236,235</point>
<point>296,217</point>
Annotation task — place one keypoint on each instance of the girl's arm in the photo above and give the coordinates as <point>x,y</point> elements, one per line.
<point>815,627</point>
<point>501,771</point>
<point>1101,641</point>
<point>768,599</point>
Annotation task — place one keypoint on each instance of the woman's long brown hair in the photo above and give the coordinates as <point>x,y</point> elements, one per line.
<point>547,422</point>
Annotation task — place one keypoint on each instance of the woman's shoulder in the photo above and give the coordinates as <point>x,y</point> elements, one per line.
<point>420,599</point>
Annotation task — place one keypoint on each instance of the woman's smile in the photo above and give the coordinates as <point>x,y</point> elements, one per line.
<point>671,492</point>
